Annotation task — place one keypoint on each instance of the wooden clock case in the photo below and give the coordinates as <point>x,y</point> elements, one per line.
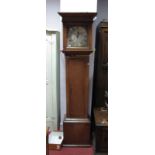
<point>77,124</point>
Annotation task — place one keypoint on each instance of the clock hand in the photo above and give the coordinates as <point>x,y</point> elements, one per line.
<point>77,34</point>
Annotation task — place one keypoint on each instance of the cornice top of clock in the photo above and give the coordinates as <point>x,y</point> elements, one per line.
<point>77,16</point>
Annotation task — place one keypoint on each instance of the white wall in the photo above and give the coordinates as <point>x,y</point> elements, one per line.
<point>52,23</point>
<point>102,11</point>
<point>52,17</point>
<point>78,5</point>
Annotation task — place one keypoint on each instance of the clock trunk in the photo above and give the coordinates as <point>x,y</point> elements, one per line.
<point>77,86</point>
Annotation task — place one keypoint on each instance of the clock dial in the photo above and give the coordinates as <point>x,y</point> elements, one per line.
<point>77,37</point>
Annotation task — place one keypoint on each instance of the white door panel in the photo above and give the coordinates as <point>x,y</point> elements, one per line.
<point>52,80</point>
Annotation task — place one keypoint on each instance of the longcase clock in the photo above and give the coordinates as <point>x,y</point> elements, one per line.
<point>77,45</point>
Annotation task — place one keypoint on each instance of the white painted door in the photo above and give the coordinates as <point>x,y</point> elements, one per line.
<point>52,81</point>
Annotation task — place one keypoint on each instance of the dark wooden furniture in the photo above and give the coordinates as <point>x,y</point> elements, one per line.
<point>77,45</point>
<point>101,129</point>
<point>100,88</point>
<point>100,85</point>
<point>47,149</point>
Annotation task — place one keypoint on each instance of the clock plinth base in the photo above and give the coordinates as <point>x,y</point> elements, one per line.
<point>77,132</point>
